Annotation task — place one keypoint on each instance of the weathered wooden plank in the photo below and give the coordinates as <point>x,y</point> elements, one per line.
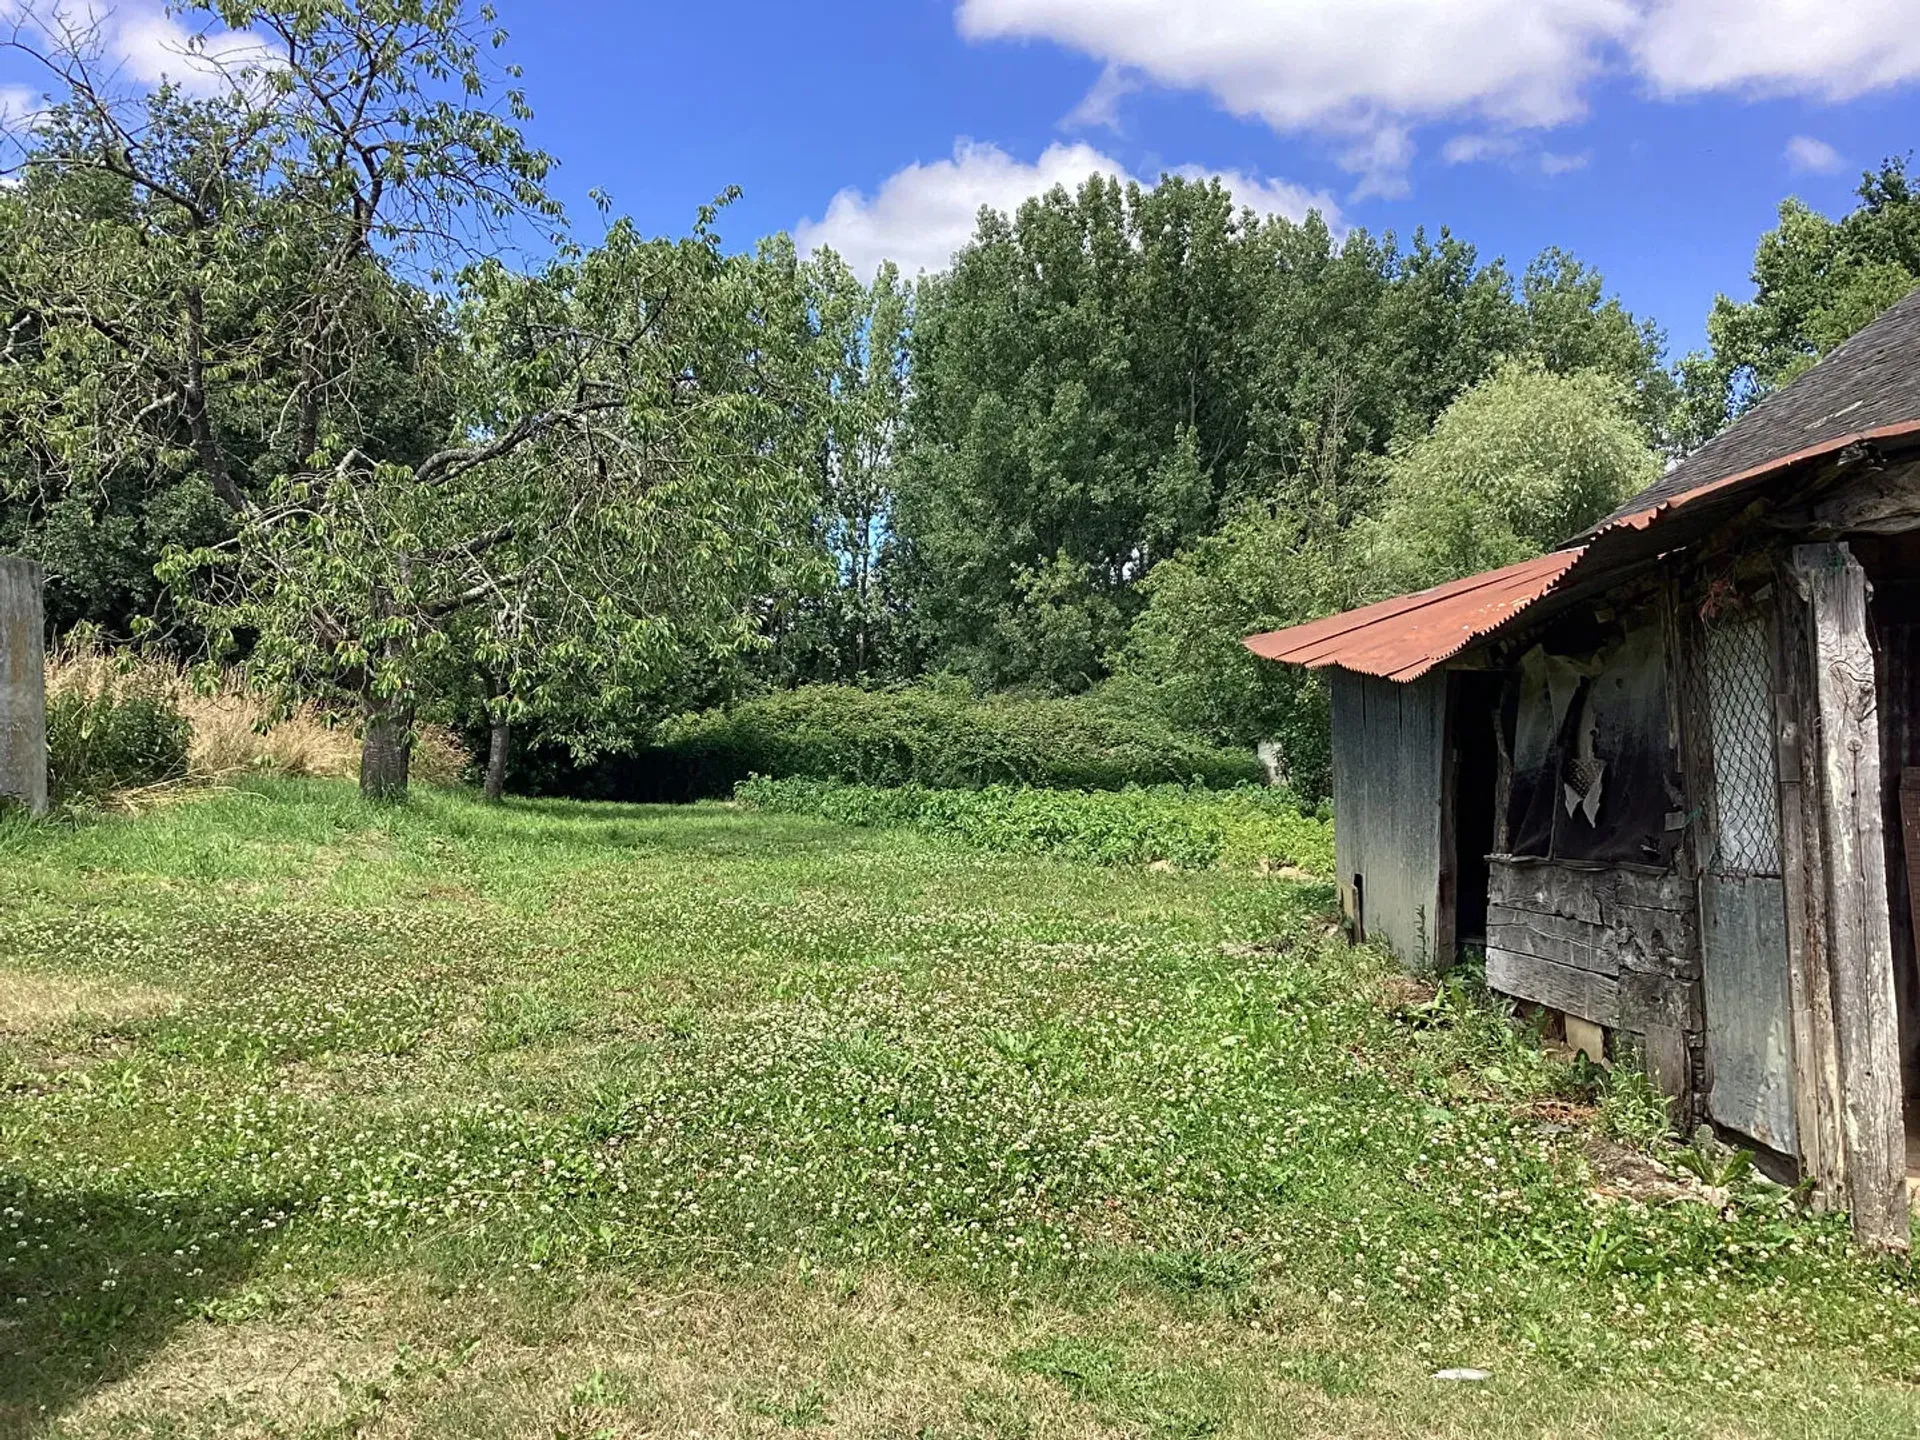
<point>1669,1062</point>
<point>1547,889</point>
<point>1650,1002</point>
<point>1816,1063</point>
<point>1389,768</point>
<point>1577,992</point>
<point>1859,922</point>
<point>1625,939</point>
<point>1349,772</point>
<point>23,692</point>
<point>1587,891</point>
<point>1557,948</point>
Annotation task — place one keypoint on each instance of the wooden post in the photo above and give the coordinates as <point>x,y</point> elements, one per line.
<point>23,686</point>
<point>1846,765</point>
<point>1816,1062</point>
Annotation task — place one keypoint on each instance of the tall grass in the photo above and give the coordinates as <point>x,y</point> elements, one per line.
<point>235,730</point>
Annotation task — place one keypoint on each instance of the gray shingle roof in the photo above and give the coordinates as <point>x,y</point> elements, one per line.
<point>1871,381</point>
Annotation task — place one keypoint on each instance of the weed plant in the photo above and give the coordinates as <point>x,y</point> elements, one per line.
<point>1247,826</point>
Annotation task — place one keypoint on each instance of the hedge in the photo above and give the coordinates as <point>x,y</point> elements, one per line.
<point>929,737</point>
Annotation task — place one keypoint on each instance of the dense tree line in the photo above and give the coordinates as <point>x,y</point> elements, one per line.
<point>274,388</point>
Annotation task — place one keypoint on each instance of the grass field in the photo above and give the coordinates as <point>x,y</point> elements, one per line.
<point>585,1121</point>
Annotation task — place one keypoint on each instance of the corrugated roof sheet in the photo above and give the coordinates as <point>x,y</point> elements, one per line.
<point>1403,638</point>
<point>1867,391</point>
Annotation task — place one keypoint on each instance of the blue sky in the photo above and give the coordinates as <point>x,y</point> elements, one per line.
<point>1653,138</point>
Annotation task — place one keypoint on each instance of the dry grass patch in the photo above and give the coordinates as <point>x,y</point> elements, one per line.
<point>238,731</point>
<point>844,1355</point>
<point>833,1357</point>
<point>31,1002</point>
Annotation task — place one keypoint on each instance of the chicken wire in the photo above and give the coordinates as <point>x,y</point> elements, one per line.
<point>1738,704</point>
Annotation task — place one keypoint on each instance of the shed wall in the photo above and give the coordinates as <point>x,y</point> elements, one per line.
<point>1389,777</point>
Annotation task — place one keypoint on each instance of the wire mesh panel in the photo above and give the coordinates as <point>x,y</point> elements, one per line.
<point>1739,706</point>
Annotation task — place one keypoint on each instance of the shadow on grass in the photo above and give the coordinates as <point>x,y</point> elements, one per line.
<point>92,1283</point>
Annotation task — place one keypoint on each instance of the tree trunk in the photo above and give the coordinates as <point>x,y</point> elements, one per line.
<point>386,751</point>
<point>497,760</point>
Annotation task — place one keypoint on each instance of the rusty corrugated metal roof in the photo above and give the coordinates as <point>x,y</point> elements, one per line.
<point>1404,638</point>
<point>1864,393</point>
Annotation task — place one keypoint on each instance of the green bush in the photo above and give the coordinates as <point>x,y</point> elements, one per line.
<point>113,729</point>
<point>945,741</point>
<point>1244,827</point>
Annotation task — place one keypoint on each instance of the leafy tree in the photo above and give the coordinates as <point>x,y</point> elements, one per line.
<point>1104,376</point>
<point>1519,463</point>
<point>1183,658</point>
<point>627,552</point>
<point>843,620</point>
<point>242,285</point>
<point>1816,282</point>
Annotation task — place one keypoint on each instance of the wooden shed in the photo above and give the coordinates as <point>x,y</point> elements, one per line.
<point>1667,778</point>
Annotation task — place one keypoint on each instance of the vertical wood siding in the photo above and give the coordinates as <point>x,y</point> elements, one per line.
<point>1389,780</point>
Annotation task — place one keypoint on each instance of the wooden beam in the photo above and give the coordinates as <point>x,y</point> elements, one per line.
<point>1816,1059</point>
<point>23,688</point>
<point>1576,992</point>
<point>1859,917</point>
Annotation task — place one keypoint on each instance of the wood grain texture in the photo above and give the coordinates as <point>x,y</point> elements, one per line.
<point>1389,775</point>
<point>23,686</point>
<point>1563,987</point>
<point>1910,836</point>
<point>1859,933</point>
<point>1816,1059</point>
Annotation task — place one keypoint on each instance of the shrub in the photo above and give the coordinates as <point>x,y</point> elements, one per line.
<point>931,737</point>
<point>113,727</point>
<point>1245,827</point>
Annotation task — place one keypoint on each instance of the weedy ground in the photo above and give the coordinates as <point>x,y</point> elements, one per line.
<point>567,1120</point>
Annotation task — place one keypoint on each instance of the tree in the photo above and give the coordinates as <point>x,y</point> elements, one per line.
<point>1816,282</point>
<point>248,272</point>
<point>1104,376</point>
<point>1262,570</point>
<point>627,551</point>
<point>842,620</point>
<point>1518,464</point>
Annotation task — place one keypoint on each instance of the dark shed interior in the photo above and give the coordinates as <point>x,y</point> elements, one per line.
<point>1892,564</point>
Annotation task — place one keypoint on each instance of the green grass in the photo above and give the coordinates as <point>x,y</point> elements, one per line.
<point>581,1120</point>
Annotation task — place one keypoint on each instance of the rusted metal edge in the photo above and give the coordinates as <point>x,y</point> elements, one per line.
<point>1368,641</point>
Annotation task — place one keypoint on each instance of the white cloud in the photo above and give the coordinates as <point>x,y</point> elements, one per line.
<point>1804,153</point>
<point>1471,148</point>
<point>921,214</point>
<point>1101,105</point>
<point>1365,72</point>
<point>16,102</point>
<point>153,46</point>
<point>1829,49</point>
<point>1552,164</point>
<point>1380,158</point>
<point>1362,69</point>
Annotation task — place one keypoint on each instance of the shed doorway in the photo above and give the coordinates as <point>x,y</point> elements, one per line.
<point>1479,730</point>
<point>1892,563</point>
